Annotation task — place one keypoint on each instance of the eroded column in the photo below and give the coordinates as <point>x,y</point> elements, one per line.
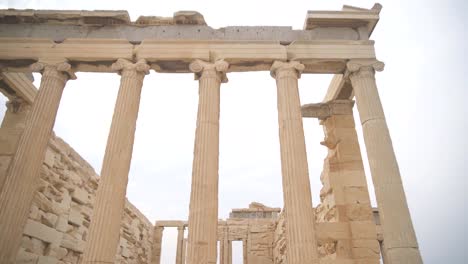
<point>300,226</point>
<point>399,237</point>
<point>104,230</point>
<point>180,244</point>
<point>157,245</point>
<point>203,212</point>
<point>24,171</point>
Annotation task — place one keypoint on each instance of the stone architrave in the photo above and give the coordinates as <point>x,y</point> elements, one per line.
<point>203,212</point>
<point>401,245</point>
<point>300,228</point>
<point>24,171</point>
<point>157,244</point>
<point>180,244</point>
<point>104,230</point>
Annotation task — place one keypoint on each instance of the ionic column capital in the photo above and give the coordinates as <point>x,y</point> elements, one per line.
<point>53,68</point>
<point>159,227</point>
<point>124,67</point>
<point>17,105</point>
<point>364,68</point>
<point>203,69</point>
<point>281,69</point>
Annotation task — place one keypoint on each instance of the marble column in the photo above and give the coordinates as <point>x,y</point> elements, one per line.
<point>184,250</point>
<point>11,129</point>
<point>104,230</point>
<point>245,252</point>
<point>16,114</point>
<point>400,239</point>
<point>24,172</point>
<point>299,213</point>
<point>157,245</point>
<point>224,246</point>
<point>203,212</point>
<point>229,252</point>
<point>180,242</point>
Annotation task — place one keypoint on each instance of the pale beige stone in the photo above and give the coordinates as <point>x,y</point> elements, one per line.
<point>65,194</point>
<point>203,212</point>
<point>110,197</point>
<point>42,232</point>
<point>398,232</point>
<point>300,231</point>
<point>17,192</point>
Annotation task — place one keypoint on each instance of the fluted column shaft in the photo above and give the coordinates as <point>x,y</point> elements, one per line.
<point>203,212</point>
<point>399,237</point>
<point>104,230</point>
<point>229,252</point>
<point>184,250</point>
<point>24,172</point>
<point>157,245</point>
<point>180,243</point>
<point>299,213</point>
<point>11,129</point>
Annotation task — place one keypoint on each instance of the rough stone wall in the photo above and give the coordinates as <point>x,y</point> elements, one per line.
<point>57,228</point>
<point>345,196</point>
<point>258,234</point>
<point>279,246</point>
<point>260,241</point>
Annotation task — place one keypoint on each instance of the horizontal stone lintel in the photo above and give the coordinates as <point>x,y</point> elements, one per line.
<point>97,55</point>
<point>324,110</point>
<point>170,223</point>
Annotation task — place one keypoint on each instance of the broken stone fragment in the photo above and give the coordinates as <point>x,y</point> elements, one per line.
<point>189,18</point>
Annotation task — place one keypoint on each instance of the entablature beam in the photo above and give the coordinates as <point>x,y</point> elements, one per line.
<point>97,55</point>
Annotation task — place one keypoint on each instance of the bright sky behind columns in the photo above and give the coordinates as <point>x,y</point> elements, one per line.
<point>423,91</point>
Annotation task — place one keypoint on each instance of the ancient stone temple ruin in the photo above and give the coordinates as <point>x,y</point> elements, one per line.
<point>54,208</point>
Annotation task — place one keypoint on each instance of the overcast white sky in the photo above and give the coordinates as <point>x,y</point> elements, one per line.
<point>423,90</point>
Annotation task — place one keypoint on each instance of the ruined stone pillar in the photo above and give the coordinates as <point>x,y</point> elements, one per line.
<point>180,242</point>
<point>11,129</point>
<point>157,245</point>
<point>344,195</point>
<point>203,212</point>
<point>399,237</point>
<point>104,230</point>
<point>24,172</point>
<point>300,227</point>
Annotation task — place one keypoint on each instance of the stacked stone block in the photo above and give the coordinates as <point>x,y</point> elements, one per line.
<point>344,196</point>
<point>57,228</point>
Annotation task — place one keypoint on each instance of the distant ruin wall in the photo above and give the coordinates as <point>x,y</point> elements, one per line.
<point>58,223</point>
